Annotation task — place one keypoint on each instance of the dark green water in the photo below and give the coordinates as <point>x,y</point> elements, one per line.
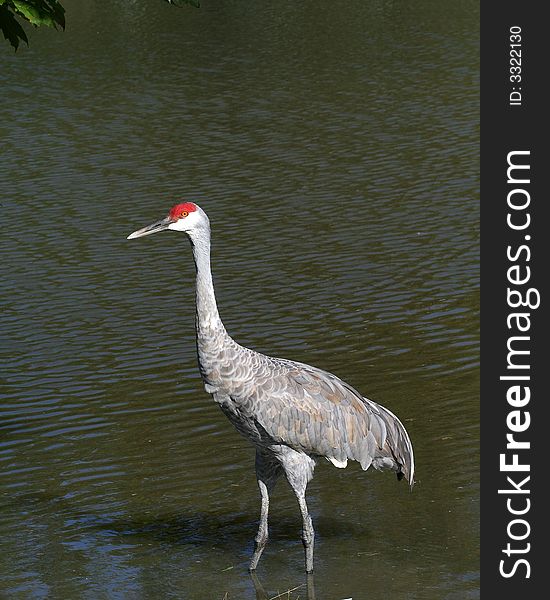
<point>334,147</point>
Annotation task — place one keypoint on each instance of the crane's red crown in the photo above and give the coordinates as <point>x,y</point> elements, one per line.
<point>179,211</point>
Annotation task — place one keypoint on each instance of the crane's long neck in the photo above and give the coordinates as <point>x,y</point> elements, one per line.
<point>212,339</point>
<point>208,318</point>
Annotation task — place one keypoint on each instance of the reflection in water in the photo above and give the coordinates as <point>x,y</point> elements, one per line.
<point>308,586</point>
<point>334,146</point>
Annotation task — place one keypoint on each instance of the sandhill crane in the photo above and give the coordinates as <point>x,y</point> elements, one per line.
<point>293,413</point>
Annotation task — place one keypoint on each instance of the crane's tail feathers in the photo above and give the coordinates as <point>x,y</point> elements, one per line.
<point>399,443</point>
<point>341,464</point>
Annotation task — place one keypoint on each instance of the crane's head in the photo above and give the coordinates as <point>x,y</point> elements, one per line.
<point>187,216</point>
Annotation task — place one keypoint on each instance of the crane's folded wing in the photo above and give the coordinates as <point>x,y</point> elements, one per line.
<point>316,412</point>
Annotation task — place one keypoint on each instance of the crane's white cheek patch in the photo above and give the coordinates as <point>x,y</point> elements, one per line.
<point>341,464</point>
<point>177,226</point>
<point>186,223</point>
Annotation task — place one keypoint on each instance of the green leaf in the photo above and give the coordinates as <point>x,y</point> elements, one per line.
<point>28,11</point>
<point>58,13</point>
<point>41,12</point>
<point>11,28</point>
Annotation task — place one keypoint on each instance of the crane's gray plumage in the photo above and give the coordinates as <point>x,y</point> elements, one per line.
<point>293,413</point>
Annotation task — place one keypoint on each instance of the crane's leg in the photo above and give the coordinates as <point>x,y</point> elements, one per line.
<point>268,470</point>
<point>299,471</point>
<point>308,534</point>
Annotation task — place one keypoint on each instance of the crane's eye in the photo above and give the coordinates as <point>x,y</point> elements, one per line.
<point>183,214</point>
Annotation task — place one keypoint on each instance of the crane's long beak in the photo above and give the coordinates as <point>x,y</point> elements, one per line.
<point>153,228</point>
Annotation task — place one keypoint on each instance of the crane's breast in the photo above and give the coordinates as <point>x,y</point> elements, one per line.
<point>242,419</point>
